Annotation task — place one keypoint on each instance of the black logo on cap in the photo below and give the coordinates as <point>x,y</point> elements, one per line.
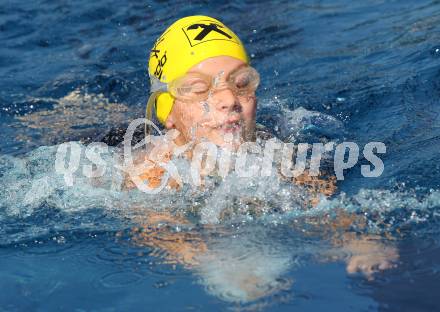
<point>206,30</point>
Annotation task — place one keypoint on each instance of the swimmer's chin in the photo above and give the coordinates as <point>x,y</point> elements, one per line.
<point>228,140</point>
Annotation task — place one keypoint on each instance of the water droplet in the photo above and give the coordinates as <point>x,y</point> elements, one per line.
<point>205,107</point>
<point>161,284</point>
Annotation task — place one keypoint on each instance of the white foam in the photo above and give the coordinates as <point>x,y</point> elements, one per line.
<point>31,182</point>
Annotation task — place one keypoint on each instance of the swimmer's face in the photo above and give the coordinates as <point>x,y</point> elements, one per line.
<point>223,116</point>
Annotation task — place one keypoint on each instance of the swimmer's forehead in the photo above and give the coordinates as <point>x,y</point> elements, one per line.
<point>219,65</point>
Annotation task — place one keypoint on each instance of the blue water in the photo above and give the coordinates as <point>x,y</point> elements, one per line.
<point>73,71</point>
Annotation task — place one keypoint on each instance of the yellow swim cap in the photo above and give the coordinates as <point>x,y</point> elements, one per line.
<point>184,44</point>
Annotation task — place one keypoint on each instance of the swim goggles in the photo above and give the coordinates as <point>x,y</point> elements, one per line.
<point>198,87</point>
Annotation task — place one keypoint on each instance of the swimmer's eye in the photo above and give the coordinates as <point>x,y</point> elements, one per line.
<point>197,86</point>
<point>190,86</point>
<point>245,80</point>
<point>242,81</point>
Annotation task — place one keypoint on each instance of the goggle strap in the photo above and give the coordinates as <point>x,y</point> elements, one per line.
<point>149,110</point>
<point>157,85</point>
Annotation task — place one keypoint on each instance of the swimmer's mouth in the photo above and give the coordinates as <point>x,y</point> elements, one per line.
<point>230,127</point>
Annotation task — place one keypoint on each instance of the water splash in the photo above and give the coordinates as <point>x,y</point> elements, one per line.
<point>30,187</point>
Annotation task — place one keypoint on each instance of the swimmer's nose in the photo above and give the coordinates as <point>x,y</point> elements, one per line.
<point>226,101</point>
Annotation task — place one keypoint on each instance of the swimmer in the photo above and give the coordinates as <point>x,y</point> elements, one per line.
<point>203,87</point>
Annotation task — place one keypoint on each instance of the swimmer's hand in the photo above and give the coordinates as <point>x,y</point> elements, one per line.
<point>369,255</point>
<point>179,247</point>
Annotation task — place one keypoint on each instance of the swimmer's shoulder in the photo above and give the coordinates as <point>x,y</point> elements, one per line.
<point>147,167</point>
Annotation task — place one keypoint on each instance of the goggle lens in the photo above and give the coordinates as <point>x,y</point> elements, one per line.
<point>196,86</point>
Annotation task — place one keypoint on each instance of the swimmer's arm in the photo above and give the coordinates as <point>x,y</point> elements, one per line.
<point>368,253</point>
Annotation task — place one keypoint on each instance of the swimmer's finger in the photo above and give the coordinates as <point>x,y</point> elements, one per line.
<point>387,265</point>
<point>353,265</point>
